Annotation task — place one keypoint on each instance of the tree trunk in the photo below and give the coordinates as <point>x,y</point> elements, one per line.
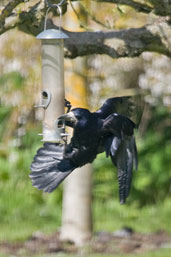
<point>77,215</point>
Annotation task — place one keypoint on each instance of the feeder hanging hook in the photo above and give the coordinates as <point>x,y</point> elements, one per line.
<point>58,6</point>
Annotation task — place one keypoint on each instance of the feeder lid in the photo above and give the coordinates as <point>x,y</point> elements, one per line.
<point>52,34</point>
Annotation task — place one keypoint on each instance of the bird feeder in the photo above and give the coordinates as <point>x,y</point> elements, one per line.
<point>52,80</point>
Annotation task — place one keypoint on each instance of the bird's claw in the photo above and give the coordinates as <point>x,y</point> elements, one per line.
<point>68,105</point>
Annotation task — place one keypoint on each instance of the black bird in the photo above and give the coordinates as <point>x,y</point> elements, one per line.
<point>107,130</point>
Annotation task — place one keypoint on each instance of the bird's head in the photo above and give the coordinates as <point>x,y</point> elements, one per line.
<point>76,116</point>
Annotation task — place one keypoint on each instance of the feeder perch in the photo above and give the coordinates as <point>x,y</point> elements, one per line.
<point>52,82</point>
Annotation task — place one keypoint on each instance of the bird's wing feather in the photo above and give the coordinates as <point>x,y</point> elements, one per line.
<point>49,168</point>
<point>118,125</point>
<point>122,148</point>
<point>123,159</point>
<point>122,105</point>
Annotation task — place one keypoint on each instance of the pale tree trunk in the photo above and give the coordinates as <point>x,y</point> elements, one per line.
<point>77,213</point>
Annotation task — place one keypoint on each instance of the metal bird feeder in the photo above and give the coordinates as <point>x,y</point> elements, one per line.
<point>52,80</point>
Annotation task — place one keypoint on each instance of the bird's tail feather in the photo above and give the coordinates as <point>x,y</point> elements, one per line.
<point>49,168</point>
<point>124,159</point>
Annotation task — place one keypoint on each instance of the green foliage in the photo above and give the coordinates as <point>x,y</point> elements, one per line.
<point>113,216</point>
<point>4,114</point>
<point>11,81</point>
<point>24,209</point>
<point>152,184</point>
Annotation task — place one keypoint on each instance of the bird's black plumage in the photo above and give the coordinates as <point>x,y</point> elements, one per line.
<point>106,130</point>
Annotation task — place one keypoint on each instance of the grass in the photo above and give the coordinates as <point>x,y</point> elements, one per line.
<point>111,216</point>
<point>21,214</point>
<point>24,209</point>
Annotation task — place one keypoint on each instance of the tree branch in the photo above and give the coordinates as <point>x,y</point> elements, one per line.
<point>162,8</point>
<point>122,43</point>
<point>7,11</point>
<point>30,20</point>
<point>136,5</point>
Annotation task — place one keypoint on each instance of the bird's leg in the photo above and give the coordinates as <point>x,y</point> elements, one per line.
<point>68,105</point>
<point>69,151</point>
<point>65,145</point>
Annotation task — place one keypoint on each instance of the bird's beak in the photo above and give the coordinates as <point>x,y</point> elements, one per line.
<point>68,117</point>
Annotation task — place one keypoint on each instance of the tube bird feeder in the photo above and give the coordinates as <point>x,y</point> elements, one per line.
<point>52,82</point>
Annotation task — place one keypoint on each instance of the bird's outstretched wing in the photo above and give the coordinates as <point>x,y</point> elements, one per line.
<point>121,147</point>
<point>49,168</point>
<point>122,105</point>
